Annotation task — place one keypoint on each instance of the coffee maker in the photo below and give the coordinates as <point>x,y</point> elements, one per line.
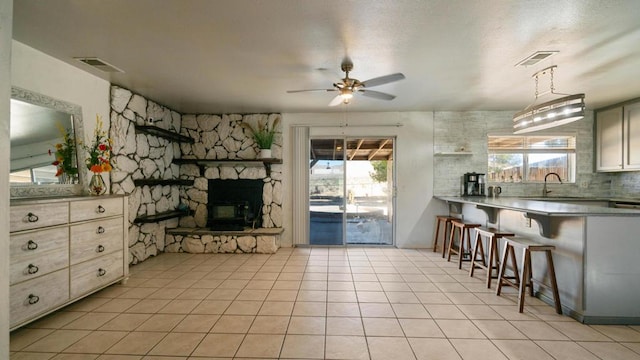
<point>473,184</point>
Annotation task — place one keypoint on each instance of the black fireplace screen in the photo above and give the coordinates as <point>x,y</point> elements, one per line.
<point>234,204</point>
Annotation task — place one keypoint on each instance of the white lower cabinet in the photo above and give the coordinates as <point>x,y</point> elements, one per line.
<point>95,273</point>
<point>63,249</point>
<point>36,296</point>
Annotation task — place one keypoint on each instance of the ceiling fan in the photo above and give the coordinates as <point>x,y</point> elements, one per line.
<point>347,86</point>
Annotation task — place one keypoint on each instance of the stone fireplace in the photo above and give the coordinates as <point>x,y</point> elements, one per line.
<point>224,169</point>
<point>221,150</point>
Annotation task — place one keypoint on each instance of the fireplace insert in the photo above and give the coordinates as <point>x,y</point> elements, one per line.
<point>234,204</point>
<point>229,215</point>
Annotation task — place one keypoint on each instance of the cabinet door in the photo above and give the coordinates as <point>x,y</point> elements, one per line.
<point>632,137</point>
<point>609,126</point>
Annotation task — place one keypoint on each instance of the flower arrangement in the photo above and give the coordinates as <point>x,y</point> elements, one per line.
<point>263,135</point>
<point>99,159</point>
<point>65,154</point>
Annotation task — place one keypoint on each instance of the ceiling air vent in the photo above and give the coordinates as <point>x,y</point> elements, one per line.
<point>99,64</point>
<point>536,57</point>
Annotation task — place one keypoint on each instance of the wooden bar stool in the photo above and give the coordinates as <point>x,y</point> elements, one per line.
<point>526,279</point>
<point>464,237</point>
<point>446,219</point>
<point>492,235</point>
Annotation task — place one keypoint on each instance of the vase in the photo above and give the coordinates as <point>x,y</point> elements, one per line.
<point>97,185</point>
<point>265,154</point>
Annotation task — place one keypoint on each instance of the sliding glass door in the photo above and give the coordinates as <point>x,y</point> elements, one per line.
<point>351,191</point>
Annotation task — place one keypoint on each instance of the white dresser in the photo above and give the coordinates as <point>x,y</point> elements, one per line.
<point>62,249</point>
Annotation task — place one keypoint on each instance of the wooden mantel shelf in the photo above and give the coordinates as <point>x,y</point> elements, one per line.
<point>205,231</point>
<point>266,162</point>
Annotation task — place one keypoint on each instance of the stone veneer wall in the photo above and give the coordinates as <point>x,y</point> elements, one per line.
<point>142,156</point>
<point>224,138</point>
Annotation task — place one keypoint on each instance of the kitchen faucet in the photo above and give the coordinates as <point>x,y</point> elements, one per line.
<point>544,188</point>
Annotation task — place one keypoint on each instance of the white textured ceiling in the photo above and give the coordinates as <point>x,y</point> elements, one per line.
<point>224,56</point>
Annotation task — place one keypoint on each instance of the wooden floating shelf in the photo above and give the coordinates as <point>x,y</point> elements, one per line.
<point>170,135</point>
<point>152,182</point>
<point>206,231</point>
<point>228,161</point>
<point>266,162</point>
<point>160,216</point>
<point>449,153</point>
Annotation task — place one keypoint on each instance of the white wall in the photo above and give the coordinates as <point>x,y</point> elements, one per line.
<point>6,14</point>
<point>415,208</point>
<point>41,73</point>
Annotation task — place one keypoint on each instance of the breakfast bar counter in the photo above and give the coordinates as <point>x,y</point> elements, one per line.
<point>596,248</point>
<point>551,206</point>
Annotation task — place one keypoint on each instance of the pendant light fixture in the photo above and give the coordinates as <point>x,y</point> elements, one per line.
<point>560,111</point>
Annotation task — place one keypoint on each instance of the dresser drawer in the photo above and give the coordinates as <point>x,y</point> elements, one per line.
<point>93,239</point>
<point>38,253</point>
<point>95,273</point>
<point>25,217</point>
<point>96,209</point>
<point>39,295</point>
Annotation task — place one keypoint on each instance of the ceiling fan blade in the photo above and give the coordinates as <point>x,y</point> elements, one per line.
<point>376,94</point>
<point>383,80</point>
<point>297,91</point>
<point>336,101</point>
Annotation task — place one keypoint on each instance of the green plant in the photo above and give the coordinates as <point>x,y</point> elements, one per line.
<point>262,134</point>
<point>65,154</point>
<point>379,173</point>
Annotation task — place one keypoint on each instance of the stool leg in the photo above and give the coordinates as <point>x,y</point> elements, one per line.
<point>503,266</point>
<point>474,254</point>
<point>554,284</point>
<point>493,261</point>
<point>482,254</point>
<point>464,238</point>
<point>525,278</point>
<point>516,272</point>
<point>448,228</point>
<point>437,235</point>
<point>451,238</point>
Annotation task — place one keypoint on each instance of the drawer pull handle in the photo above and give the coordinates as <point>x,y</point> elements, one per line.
<point>101,272</point>
<point>32,269</point>
<point>33,299</point>
<point>101,209</point>
<point>100,248</point>
<point>100,230</point>
<point>31,217</point>
<point>31,245</point>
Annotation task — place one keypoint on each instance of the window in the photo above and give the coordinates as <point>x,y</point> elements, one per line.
<point>529,158</point>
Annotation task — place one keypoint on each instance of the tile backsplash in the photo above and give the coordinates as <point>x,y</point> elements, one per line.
<point>454,131</point>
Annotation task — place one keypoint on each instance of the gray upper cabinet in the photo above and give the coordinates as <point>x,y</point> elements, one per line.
<point>617,138</point>
<point>632,137</point>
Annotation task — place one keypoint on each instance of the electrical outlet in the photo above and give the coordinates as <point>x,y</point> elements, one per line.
<point>584,184</point>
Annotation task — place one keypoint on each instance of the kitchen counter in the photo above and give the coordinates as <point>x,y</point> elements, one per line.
<point>547,206</point>
<point>595,254</point>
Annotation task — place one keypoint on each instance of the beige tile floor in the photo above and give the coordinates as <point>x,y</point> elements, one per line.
<point>312,303</point>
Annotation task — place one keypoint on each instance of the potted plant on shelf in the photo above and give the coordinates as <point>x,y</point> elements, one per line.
<point>263,135</point>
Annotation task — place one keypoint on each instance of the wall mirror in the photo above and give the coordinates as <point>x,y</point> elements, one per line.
<point>38,123</point>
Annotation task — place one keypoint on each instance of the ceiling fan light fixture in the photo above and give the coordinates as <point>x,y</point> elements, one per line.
<point>549,114</point>
<point>346,94</point>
